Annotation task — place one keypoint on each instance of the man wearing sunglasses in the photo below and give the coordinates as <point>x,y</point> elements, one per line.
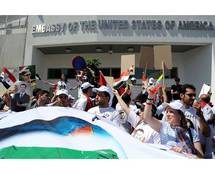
<point>193,112</point>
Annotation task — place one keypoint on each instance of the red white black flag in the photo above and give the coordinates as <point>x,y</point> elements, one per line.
<point>7,78</point>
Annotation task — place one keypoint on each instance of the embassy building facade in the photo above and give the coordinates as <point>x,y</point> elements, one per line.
<point>51,42</point>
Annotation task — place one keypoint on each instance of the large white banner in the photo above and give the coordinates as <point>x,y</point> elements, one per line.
<point>58,132</point>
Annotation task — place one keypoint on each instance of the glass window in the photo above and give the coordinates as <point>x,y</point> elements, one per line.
<point>115,72</point>
<point>138,73</point>
<point>71,73</point>
<point>169,73</point>
<point>55,73</point>
<point>105,71</point>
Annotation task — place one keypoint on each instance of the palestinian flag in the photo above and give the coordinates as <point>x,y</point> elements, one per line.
<point>102,80</point>
<point>7,78</point>
<point>67,133</point>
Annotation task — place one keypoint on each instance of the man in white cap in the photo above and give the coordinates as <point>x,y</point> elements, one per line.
<point>84,103</point>
<point>133,81</point>
<point>151,81</point>
<point>103,109</point>
<point>62,98</point>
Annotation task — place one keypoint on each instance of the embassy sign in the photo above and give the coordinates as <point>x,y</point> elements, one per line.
<point>92,26</point>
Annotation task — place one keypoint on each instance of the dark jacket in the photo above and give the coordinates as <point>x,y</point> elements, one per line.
<point>17,100</point>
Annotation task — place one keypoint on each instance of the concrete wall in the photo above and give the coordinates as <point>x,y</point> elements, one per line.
<point>212,73</point>
<point>12,50</point>
<point>197,66</point>
<point>178,61</point>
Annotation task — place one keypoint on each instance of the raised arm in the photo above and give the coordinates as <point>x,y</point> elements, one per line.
<point>124,106</point>
<point>147,114</point>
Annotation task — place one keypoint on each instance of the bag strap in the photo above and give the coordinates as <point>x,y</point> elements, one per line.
<point>190,135</point>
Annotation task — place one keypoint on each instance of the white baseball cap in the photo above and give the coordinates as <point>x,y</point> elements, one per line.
<point>151,81</point>
<point>86,85</point>
<point>133,78</point>
<point>71,97</point>
<point>62,91</point>
<point>104,89</point>
<point>177,105</point>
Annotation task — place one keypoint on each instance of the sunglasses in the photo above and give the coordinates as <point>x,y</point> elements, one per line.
<point>27,74</point>
<point>191,95</point>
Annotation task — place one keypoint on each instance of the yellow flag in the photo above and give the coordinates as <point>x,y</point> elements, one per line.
<point>160,78</point>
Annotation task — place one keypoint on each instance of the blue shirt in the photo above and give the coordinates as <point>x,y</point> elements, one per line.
<point>168,135</point>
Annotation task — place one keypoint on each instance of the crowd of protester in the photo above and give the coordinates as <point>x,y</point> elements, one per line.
<point>171,116</point>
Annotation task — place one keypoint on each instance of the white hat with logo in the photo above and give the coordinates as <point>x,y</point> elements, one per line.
<point>177,105</point>
<point>62,91</point>
<point>133,78</point>
<point>86,85</point>
<point>105,89</point>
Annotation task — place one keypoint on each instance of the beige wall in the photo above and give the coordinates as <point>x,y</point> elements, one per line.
<point>162,53</point>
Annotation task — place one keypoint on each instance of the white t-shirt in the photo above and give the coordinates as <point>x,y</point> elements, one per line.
<point>132,107</point>
<point>81,103</point>
<point>213,109</point>
<point>146,134</point>
<point>110,115</point>
<point>207,112</point>
<point>131,118</point>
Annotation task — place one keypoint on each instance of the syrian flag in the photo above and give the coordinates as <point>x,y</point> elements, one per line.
<point>124,76</point>
<point>120,83</point>
<point>7,78</point>
<point>102,80</point>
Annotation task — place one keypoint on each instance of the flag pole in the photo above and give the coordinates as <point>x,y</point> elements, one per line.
<point>145,71</point>
<point>163,72</point>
